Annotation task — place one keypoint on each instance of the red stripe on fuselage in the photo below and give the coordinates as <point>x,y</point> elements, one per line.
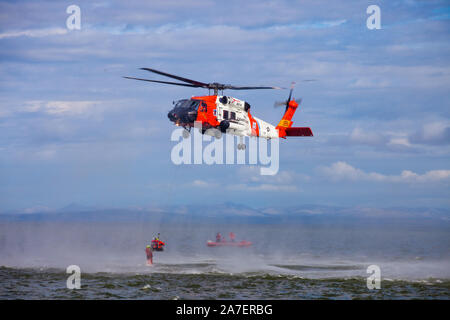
<point>254,125</point>
<point>207,117</point>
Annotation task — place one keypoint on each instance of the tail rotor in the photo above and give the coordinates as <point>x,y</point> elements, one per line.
<point>286,103</point>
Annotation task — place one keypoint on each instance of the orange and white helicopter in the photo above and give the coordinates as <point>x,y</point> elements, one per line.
<point>223,114</point>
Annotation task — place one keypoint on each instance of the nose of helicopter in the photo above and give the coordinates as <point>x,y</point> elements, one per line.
<point>179,115</point>
<point>172,116</point>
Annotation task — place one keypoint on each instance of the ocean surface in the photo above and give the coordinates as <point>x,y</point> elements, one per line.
<point>285,261</point>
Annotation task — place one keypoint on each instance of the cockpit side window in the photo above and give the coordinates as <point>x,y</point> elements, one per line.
<point>194,104</point>
<point>232,115</point>
<point>225,114</point>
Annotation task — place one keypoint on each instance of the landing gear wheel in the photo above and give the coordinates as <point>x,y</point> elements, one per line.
<point>217,134</point>
<point>241,145</point>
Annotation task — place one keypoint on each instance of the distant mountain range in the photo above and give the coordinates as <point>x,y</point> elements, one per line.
<point>234,213</point>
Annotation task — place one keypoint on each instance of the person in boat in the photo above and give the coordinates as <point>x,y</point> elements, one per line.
<point>157,244</point>
<point>218,237</point>
<point>232,236</point>
<point>154,243</point>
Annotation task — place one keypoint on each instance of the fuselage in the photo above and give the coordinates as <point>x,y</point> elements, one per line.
<point>223,113</point>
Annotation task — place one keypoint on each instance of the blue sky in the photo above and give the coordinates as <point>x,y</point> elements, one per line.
<point>73,131</point>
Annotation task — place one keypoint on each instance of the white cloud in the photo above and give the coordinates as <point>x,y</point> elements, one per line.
<point>251,180</point>
<point>365,82</point>
<point>341,170</point>
<point>406,139</point>
<point>437,132</point>
<point>358,136</point>
<point>46,154</point>
<point>203,184</point>
<point>283,181</point>
<point>431,130</point>
<point>399,141</point>
<point>429,176</point>
<point>264,187</point>
<point>252,174</point>
<point>34,33</point>
<point>59,107</point>
<point>68,107</point>
<point>37,209</point>
<point>301,26</point>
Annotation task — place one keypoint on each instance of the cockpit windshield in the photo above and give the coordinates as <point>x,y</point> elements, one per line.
<point>185,111</point>
<point>187,104</point>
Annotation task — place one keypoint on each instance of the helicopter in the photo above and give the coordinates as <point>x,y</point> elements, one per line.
<point>220,114</point>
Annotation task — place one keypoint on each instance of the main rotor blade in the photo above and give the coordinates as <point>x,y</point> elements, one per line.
<point>196,83</point>
<point>279,104</point>
<point>166,82</point>
<point>290,93</point>
<point>250,88</point>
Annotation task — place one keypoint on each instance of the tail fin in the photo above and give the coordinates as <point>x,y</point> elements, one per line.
<point>286,122</point>
<point>285,126</point>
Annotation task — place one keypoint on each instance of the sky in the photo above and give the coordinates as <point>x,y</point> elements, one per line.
<point>72,130</point>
